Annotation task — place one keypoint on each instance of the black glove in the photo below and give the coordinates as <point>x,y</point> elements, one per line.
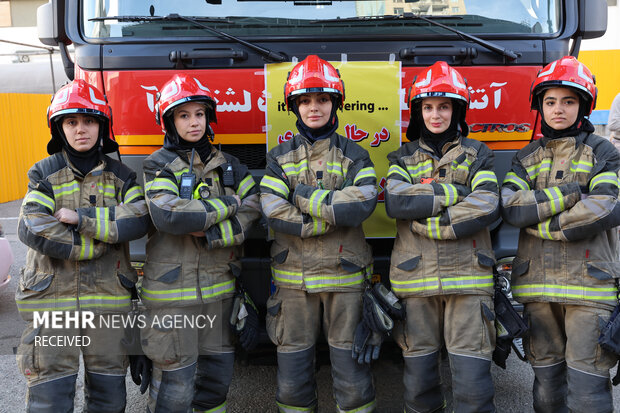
<point>366,344</point>
<point>244,321</point>
<point>502,351</point>
<point>140,367</point>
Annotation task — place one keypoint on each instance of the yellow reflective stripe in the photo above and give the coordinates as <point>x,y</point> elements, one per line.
<point>396,169</point>
<point>603,178</point>
<point>581,166</point>
<point>483,176</point>
<point>543,230</point>
<point>169,295</point>
<point>465,167</point>
<point>65,189</point>
<point>292,168</point>
<point>476,281</point>
<point>423,284</point>
<point>286,276</point>
<point>245,185</point>
<point>86,249</point>
<point>178,174</point>
<point>566,291</point>
<point>30,305</point>
<point>365,173</point>
<point>133,193</point>
<point>420,168</point>
<point>316,199</point>
<point>106,190</point>
<point>433,228</point>
<point>450,194</point>
<point>218,289</point>
<point>219,206</point>
<point>334,168</point>
<point>556,200</point>
<point>339,280</point>
<point>534,170</point>
<point>315,226</point>
<point>162,184</point>
<point>515,179</point>
<point>102,221</point>
<point>41,199</point>
<point>227,232</point>
<point>276,185</point>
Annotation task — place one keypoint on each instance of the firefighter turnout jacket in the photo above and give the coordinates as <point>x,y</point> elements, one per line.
<point>315,197</point>
<point>563,194</point>
<point>442,208</point>
<point>83,267</point>
<point>183,270</point>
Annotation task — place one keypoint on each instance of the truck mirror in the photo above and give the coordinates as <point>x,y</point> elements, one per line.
<point>592,18</point>
<point>51,23</point>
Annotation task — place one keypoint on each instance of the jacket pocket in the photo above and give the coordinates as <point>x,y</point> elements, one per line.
<point>27,359</point>
<point>520,266</point>
<point>410,264</point>
<point>33,280</point>
<point>166,273</point>
<point>274,320</point>
<point>160,344</point>
<point>603,271</point>
<point>486,259</point>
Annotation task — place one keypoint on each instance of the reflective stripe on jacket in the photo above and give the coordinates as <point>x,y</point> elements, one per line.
<point>86,266</point>
<point>315,197</point>
<point>442,244</point>
<point>183,270</point>
<point>563,193</point>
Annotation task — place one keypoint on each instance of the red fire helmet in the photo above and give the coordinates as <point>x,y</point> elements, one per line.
<point>565,72</point>
<point>438,80</point>
<point>83,98</point>
<point>183,89</point>
<point>313,74</point>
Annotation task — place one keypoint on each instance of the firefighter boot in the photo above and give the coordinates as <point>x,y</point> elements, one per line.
<point>103,393</point>
<point>54,396</point>
<point>353,387</point>
<point>472,384</point>
<point>423,384</point>
<point>171,391</point>
<point>550,389</point>
<point>296,384</point>
<point>213,375</point>
<point>588,393</point>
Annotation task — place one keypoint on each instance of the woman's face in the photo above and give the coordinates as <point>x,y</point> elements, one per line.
<point>81,131</point>
<point>560,106</point>
<point>190,121</point>
<point>314,109</point>
<point>437,113</point>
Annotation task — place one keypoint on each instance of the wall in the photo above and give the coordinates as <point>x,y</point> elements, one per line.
<point>23,138</point>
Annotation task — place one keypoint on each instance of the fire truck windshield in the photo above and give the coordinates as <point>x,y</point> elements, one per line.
<point>310,18</point>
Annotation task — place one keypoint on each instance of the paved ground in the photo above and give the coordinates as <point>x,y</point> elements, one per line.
<point>253,388</point>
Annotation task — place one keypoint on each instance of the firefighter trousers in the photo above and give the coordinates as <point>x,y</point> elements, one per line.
<point>571,369</point>
<point>465,324</point>
<point>294,320</point>
<point>49,358</point>
<point>192,350</point>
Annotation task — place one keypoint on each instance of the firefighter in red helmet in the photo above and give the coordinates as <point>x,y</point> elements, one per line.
<point>202,202</point>
<point>562,191</point>
<point>81,209</point>
<point>443,192</point>
<point>317,190</point>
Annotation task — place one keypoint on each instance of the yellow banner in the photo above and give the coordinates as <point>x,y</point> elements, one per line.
<point>370,117</point>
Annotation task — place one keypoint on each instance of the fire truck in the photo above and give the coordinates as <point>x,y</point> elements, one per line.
<point>242,50</point>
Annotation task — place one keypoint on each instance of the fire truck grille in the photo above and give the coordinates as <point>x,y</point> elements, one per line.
<point>252,156</point>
